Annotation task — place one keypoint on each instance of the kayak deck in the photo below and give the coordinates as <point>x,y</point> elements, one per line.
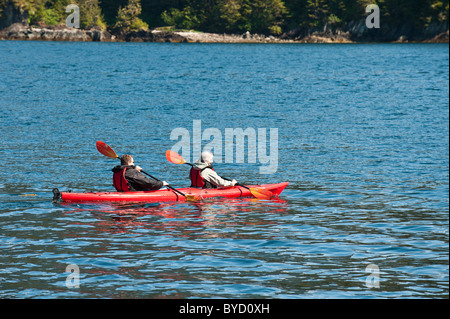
<point>164,195</point>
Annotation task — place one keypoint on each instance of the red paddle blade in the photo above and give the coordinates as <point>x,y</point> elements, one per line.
<point>261,193</point>
<point>174,157</point>
<point>106,150</point>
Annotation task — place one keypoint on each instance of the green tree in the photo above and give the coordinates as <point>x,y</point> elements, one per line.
<point>90,14</point>
<point>440,11</point>
<point>110,8</point>
<point>49,12</point>
<point>12,11</point>
<point>296,13</point>
<point>265,15</point>
<point>261,16</point>
<point>128,17</point>
<point>181,19</point>
<point>225,16</point>
<point>53,12</point>
<point>318,12</point>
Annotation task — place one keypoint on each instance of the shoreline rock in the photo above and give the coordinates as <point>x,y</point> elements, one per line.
<point>201,37</point>
<point>19,31</point>
<point>356,33</point>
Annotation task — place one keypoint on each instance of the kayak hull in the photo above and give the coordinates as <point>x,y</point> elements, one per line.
<point>164,195</point>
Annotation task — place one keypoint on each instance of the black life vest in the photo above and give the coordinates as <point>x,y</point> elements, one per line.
<point>197,180</point>
<point>119,181</point>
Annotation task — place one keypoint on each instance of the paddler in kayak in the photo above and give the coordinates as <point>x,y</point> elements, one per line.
<point>202,174</point>
<point>128,178</point>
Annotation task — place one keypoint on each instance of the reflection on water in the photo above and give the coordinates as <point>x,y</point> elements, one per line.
<point>236,248</point>
<point>192,219</point>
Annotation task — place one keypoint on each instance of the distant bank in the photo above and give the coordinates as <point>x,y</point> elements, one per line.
<point>355,33</point>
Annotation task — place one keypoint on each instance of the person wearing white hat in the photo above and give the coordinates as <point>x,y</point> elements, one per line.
<point>202,174</point>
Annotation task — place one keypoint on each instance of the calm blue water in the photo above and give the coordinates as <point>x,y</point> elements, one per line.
<point>362,139</point>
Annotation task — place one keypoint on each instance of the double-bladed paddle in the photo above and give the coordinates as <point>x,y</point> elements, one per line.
<point>259,192</point>
<point>106,150</point>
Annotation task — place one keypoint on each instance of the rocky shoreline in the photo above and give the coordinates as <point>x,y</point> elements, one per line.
<point>356,33</point>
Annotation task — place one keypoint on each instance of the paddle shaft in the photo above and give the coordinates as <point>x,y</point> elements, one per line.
<point>176,190</point>
<point>237,183</point>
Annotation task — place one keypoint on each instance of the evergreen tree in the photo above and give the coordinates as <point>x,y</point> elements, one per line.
<point>266,16</point>
<point>110,8</point>
<point>224,16</point>
<point>49,12</point>
<point>317,13</point>
<point>12,11</point>
<point>231,16</point>
<point>90,14</point>
<point>181,19</point>
<point>128,17</point>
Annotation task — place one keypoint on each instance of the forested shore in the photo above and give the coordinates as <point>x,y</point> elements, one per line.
<point>225,20</point>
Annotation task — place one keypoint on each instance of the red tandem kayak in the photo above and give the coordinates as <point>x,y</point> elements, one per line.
<point>164,195</point>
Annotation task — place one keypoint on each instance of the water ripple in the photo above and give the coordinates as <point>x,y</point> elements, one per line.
<point>363,140</point>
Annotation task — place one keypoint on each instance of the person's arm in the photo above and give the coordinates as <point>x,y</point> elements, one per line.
<point>137,178</point>
<point>212,177</point>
